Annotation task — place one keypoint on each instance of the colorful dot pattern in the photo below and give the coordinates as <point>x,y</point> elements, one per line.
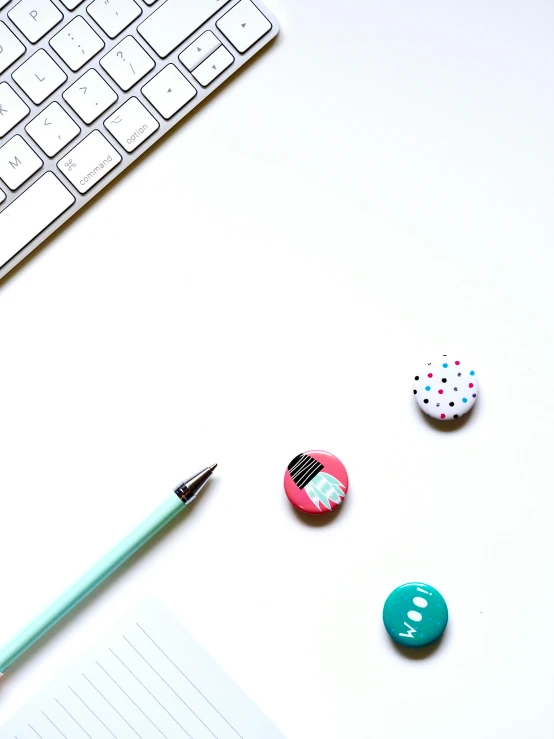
<point>446,389</point>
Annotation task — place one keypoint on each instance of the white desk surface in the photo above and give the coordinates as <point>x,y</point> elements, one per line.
<point>374,190</point>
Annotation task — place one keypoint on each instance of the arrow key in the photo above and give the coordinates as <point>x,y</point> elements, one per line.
<point>213,66</point>
<point>243,25</point>
<point>199,50</point>
<point>168,91</point>
<point>52,129</point>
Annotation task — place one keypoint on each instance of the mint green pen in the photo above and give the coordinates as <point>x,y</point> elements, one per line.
<point>184,494</point>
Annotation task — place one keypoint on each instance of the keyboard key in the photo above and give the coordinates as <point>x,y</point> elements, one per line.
<point>39,76</point>
<point>18,162</point>
<point>35,18</point>
<point>77,43</point>
<point>127,63</point>
<point>11,47</point>
<point>168,91</point>
<point>243,25</point>
<point>214,65</point>
<point>90,161</point>
<point>199,50</point>
<point>113,15</point>
<point>12,109</point>
<point>131,124</point>
<point>174,21</point>
<point>90,96</point>
<point>32,212</point>
<point>52,129</point>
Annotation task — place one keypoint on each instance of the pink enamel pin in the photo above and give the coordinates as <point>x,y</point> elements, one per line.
<point>316,482</point>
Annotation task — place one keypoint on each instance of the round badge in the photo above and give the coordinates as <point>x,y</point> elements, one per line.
<point>316,482</point>
<point>446,388</point>
<point>415,614</point>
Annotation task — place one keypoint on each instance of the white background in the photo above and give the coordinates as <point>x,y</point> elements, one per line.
<point>371,192</point>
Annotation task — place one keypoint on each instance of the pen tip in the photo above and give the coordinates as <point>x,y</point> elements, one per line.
<point>212,467</point>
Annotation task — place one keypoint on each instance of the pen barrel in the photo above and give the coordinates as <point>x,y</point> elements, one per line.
<point>89,581</point>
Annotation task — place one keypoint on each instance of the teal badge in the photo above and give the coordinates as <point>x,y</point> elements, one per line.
<point>415,614</point>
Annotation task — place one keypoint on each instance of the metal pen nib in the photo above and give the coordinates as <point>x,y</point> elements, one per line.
<point>189,489</point>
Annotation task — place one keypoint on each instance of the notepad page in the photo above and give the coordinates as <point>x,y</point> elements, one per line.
<point>148,679</point>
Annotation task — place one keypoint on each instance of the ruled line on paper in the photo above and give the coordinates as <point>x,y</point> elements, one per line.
<point>130,699</point>
<point>112,706</point>
<point>54,725</point>
<point>188,680</point>
<point>150,693</point>
<point>74,719</point>
<point>147,679</point>
<point>183,701</point>
<point>93,713</point>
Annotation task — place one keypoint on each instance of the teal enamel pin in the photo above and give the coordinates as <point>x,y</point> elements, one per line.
<point>415,615</point>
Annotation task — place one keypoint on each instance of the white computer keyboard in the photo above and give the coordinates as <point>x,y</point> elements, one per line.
<point>86,87</point>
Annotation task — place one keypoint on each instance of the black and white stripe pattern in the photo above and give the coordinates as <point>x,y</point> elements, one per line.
<point>303,469</point>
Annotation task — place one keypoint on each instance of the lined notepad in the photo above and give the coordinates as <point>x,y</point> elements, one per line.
<point>148,679</point>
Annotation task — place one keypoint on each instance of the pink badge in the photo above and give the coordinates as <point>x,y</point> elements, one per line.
<point>316,482</point>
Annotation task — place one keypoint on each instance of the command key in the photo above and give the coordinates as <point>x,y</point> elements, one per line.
<point>89,161</point>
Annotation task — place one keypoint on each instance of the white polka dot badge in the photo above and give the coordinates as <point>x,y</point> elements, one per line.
<point>446,388</point>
